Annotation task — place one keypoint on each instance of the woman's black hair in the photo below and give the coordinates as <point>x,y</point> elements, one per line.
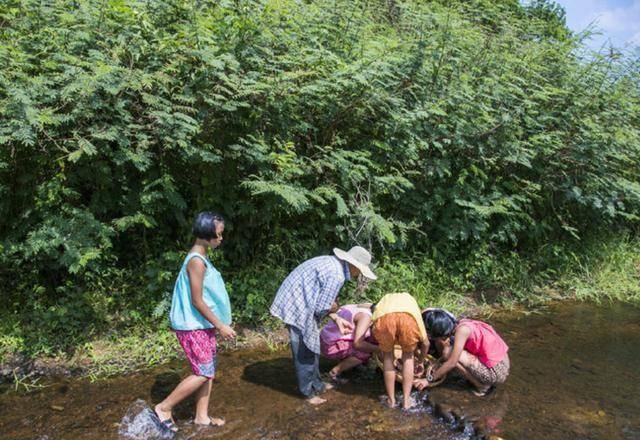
<point>204,226</point>
<point>439,323</point>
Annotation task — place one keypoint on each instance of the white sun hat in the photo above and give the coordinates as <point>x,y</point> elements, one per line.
<point>359,257</point>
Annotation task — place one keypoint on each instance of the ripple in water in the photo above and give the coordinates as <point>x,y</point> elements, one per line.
<point>141,423</point>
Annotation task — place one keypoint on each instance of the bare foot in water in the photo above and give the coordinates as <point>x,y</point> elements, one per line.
<point>408,403</point>
<point>212,421</point>
<point>316,400</point>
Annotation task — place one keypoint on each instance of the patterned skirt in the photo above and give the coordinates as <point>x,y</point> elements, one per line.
<point>490,376</point>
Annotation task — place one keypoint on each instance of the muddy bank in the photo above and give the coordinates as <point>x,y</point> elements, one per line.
<point>28,370</point>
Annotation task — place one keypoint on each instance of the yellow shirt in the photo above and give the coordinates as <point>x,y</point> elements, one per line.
<point>400,303</point>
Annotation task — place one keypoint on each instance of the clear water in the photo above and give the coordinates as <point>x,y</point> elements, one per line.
<point>574,376</point>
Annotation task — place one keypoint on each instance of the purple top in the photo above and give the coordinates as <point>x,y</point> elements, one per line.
<point>330,333</point>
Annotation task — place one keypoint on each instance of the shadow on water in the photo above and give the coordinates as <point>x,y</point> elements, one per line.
<point>277,374</point>
<point>574,376</point>
<point>163,384</point>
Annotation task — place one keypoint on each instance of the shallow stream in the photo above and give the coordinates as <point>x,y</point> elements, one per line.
<point>574,376</point>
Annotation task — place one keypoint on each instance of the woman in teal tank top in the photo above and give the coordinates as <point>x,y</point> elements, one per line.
<point>199,307</point>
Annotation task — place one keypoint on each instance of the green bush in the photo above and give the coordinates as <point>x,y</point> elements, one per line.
<point>461,141</point>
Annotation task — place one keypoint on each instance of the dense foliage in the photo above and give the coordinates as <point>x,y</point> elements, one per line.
<point>442,131</point>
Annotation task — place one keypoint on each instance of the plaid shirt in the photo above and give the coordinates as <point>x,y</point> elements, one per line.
<point>306,295</point>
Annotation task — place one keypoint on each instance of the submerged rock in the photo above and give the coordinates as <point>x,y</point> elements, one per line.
<point>141,423</point>
<point>446,412</point>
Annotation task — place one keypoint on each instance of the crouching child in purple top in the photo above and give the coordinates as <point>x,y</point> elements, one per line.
<point>304,298</point>
<point>347,338</point>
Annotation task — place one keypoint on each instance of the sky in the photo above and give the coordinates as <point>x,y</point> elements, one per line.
<point>617,20</point>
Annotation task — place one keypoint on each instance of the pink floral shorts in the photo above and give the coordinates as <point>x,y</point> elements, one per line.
<point>200,349</point>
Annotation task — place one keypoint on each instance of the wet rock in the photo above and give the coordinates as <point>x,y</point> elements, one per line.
<point>62,388</point>
<point>15,365</point>
<point>379,427</point>
<point>57,407</point>
<point>466,428</point>
<point>22,367</point>
<point>479,433</point>
<point>445,412</point>
<point>6,372</point>
<point>141,423</point>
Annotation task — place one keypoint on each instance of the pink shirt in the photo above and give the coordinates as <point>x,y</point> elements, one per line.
<point>330,333</point>
<point>484,342</point>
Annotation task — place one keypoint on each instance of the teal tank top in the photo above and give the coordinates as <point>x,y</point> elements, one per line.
<point>183,315</point>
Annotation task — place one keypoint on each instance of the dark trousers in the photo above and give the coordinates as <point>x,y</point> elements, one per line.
<point>306,363</point>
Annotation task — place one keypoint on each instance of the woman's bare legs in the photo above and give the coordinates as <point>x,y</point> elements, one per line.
<point>466,359</point>
<point>344,365</point>
<point>188,386</point>
<point>389,377</point>
<point>202,406</point>
<point>407,378</point>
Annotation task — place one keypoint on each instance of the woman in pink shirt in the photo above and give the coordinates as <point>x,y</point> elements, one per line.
<point>347,338</point>
<point>478,352</point>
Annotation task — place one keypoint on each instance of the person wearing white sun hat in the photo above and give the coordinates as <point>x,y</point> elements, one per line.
<point>306,296</point>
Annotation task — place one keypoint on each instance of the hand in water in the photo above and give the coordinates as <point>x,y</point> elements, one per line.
<point>227,332</point>
<point>344,326</point>
<point>420,384</point>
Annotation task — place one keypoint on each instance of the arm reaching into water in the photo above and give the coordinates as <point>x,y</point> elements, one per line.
<point>461,335</point>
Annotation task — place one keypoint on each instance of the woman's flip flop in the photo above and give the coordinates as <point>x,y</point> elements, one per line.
<point>167,423</point>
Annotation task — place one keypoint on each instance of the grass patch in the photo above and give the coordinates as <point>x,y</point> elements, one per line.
<point>595,270</point>
<point>124,354</point>
<point>609,271</point>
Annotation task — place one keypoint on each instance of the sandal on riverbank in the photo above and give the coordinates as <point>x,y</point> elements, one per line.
<point>337,379</point>
<point>214,422</point>
<point>330,381</point>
